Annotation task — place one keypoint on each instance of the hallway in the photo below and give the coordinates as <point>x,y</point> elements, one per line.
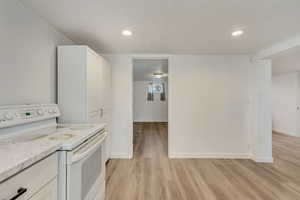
<point>150,140</point>
<point>150,175</point>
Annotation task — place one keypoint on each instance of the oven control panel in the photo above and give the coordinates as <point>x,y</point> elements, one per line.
<point>15,115</point>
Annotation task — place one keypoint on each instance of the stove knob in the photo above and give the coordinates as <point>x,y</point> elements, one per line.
<point>8,116</point>
<point>40,112</point>
<point>51,111</point>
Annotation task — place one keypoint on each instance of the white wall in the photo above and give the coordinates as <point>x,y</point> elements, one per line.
<point>122,106</point>
<point>218,107</point>
<point>148,111</point>
<point>211,106</point>
<point>27,56</point>
<point>261,119</point>
<point>285,99</point>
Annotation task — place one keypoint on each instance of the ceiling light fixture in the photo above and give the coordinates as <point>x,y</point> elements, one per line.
<point>158,75</point>
<point>237,33</point>
<point>127,33</point>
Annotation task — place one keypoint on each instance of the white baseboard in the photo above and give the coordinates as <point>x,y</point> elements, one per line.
<point>120,156</point>
<point>285,132</point>
<point>264,160</point>
<point>205,155</point>
<point>221,156</point>
<point>150,121</point>
<point>210,155</point>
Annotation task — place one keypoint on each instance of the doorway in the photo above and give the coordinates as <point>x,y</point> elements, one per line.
<point>150,108</point>
<point>286,107</point>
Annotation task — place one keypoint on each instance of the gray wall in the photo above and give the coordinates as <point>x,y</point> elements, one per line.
<point>27,56</point>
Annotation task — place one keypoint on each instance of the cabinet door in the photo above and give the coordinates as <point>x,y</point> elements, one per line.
<point>49,192</point>
<point>93,82</point>
<point>99,82</point>
<point>107,106</point>
<point>106,89</point>
<point>102,98</point>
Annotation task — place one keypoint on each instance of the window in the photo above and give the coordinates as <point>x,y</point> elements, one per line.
<point>156,88</point>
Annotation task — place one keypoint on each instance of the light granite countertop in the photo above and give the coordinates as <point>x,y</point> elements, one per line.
<point>14,157</point>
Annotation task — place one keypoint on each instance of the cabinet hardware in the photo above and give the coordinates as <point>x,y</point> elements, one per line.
<point>20,192</point>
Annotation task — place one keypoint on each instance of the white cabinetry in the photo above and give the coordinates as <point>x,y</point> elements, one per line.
<point>84,87</point>
<point>49,192</point>
<point>34,183</point>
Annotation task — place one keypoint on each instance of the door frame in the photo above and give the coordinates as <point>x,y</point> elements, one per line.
<point>153,57</point>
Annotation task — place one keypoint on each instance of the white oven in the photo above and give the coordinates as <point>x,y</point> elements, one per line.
<point>84,174</point>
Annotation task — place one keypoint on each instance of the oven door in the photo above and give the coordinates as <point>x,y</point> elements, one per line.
<point>86,170</point>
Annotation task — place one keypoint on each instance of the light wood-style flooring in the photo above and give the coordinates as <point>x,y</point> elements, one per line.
<point>150,175</point>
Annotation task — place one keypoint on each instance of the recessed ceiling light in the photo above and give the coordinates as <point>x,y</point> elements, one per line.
<point>126,33</point>
<point>237,33</point>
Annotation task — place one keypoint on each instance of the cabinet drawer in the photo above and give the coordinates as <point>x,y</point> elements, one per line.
<point>49,192</point>
<point>33,179</point>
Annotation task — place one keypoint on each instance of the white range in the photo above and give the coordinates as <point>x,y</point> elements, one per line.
<point>81,161</point>
<point>81,154</point>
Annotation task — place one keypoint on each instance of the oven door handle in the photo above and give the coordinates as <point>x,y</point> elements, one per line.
<point>88,149</point>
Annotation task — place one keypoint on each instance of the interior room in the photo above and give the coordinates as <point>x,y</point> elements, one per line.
<point>285,106</point>
<point>148,100</point>
<point>150,107</point>
<point>286,92</point>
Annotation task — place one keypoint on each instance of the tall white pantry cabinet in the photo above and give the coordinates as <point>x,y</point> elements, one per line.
<point>84,87</point>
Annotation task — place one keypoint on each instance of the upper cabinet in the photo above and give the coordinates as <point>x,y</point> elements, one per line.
<point>84,84</point>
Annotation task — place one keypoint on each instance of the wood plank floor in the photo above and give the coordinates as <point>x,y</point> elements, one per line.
<point>152,176</point>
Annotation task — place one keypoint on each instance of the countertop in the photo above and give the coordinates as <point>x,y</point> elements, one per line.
<point>14,157</point>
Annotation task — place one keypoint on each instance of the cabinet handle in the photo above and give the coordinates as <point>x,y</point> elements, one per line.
<point>20,192</point>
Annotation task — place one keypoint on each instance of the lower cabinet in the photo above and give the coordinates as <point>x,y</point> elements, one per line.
<point>37,182</point>
<point>49,192</point>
